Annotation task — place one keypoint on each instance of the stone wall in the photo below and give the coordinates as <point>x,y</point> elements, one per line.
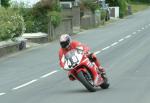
<point>90,19</point>
<point>73,12</point>
<point>65,26</point>
<point>36,37</point>
<point>76,19</point>
<point>7,47</point>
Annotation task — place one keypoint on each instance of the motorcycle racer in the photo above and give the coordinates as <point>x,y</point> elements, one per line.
<point>67,44</point>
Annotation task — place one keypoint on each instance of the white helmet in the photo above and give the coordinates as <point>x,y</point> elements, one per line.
<point>65,40</point>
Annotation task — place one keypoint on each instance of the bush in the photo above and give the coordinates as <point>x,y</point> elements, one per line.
<point>103,14</point>
<point>89,4</point>
<point>37,18</point>
<point>122,6</point>
<point>5,3</point>
<point>43,12</point>
<point>11,24</point>
<point>144,1</point>
<point>55,18</point>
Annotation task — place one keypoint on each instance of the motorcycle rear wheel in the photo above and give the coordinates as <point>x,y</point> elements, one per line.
<point>105,85</point>
<point>85,82</point>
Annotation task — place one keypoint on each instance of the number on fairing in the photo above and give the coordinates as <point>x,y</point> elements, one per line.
<point>68,62</point>
<point>74,59</point>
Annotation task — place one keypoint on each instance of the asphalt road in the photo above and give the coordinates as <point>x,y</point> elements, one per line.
<point>34,76</point>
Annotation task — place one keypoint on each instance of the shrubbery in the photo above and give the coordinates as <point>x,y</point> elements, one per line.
<point>5,3</point>
<point>11,24</point>
<point>38,17</point>
<point>103,15</point>
<point>55,18</point>
<point>144,1</point>
<point>89,4</point>
<point>122,6</point>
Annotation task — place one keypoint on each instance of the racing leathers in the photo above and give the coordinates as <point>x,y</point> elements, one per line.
<point>91,56</point>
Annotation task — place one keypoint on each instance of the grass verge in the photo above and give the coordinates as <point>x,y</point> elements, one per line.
<point>138,6</point>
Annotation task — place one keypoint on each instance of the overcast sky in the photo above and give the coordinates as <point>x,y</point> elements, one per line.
<point>31,2</point>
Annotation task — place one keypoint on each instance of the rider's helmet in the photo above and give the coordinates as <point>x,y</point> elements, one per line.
<point>65,40</point>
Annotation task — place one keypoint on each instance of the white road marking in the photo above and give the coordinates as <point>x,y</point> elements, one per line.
<point>97,52</point>
<point>121,40</point>
<point>115,43</point>
<point>26,84</point>
<point>46,75</point>
<point>106,48</point>
<point>128,36</point>
<point>2,94</point>
<point>134,33</point>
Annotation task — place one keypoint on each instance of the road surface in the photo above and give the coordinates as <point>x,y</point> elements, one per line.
<point>34,76</point>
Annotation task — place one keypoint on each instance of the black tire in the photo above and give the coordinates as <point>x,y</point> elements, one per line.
<point>105,85</point>
<point>85,82</point>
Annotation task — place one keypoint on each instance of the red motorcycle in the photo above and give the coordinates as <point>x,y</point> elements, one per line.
<point>80,67</point>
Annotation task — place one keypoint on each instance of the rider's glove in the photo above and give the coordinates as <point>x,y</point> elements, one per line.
<point>90,56</point>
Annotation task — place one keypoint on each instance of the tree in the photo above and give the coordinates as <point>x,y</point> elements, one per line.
<point>5,3</point>
<point>112,2</point>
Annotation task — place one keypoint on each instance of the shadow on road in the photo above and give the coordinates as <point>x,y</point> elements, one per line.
<point>78,91</point>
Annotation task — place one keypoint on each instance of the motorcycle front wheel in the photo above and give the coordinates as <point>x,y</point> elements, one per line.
<point>82,78</point>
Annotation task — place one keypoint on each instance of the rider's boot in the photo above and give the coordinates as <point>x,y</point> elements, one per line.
<point>71,77</point>
<point>98,80</point>
<point>94,59</point>
<point>102,72</point>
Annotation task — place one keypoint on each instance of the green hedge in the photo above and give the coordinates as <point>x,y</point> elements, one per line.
<point>5,3</point>
<point>11,24</point>
<point>37,18</point>
<point>122,6</point>
<point>89,4</point>
<point>145,1</point>
<point>55,18</point>
<point>103,15</point>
